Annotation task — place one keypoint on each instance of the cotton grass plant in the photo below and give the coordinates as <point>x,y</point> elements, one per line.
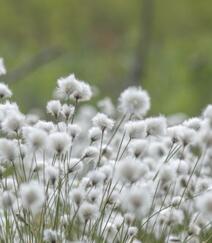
<point>108,175</point>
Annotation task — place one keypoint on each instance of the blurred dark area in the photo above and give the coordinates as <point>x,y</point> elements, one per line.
<point>164,46</point>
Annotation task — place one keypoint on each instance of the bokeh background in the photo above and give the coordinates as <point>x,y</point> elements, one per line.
<point>163,45</point>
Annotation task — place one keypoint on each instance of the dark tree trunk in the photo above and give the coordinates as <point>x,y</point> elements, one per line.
<point>139,64</point>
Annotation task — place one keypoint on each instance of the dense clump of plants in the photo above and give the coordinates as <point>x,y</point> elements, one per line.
<point>105,174</point>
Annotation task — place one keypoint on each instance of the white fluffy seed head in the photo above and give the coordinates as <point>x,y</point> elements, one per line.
<point>67,111</point>
<point>182,134</point>
<point>32,195</point>
<point>50,236</point>
<point>74,130</point>
<point>173,216</point>
<point>82,92</point>
<point>166,174</point>
<point>173,239</point>
<point>205,136</point>
<point>107,171</point>
<point>137,200</point>
<point>103,121</point>
<point>173,133</point>
<point>186,135</point>
<point>95,134</point>
<point>7,109</point>
<point>132,231</point>
<point>77,195</point>
<point>54,108</point>
<point>204,204</point>
<point>90,152</point>
<point>66,86</point>
<point>45,126</point>
<point>181,166</point>
<point>156,126</point>
<point>207,113</point>
<point>129,170</point>
<point>106,106</point>
<point>74,165</point>
<point>107,151</point>
<point>13,123</point>
<point>157,150</point>
<point>94,195</point>
<point>7,199</point>
<point>71,88</point>
<point>175,201</point>
<point>194,229</point>
<point>87,211</point>
<point>129,218</point>
<point>134,240</point>
<point>136,129</point>
<point>196,147</point>
<point>2,67</point>
<point>36,139</point>
<point>32,119</point>
<point>96,177</point>
<point>138,147</point>
<point>52,173</point>
<point>134,101</point>
<point>8,150</point>
<point>110,231</point>
<point>5,92</point>
<point>194,123</point>
<point>59,142</point>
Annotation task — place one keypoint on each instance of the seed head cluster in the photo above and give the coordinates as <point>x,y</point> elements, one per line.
<point>105,173</point>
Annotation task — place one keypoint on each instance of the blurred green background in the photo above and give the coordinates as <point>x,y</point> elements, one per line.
<point>164,45</point>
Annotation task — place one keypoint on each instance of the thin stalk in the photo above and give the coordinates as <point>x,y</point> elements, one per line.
<point>84,228</point>
<point>75,110</point>
<point>100,149</point>
<point>125,148</point>
<point>189,179</point>
<point>116,129</point>
<point>171,153</point>
<point>120,145</point>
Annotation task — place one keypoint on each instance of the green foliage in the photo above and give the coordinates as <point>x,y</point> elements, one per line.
<point>100,39</point>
